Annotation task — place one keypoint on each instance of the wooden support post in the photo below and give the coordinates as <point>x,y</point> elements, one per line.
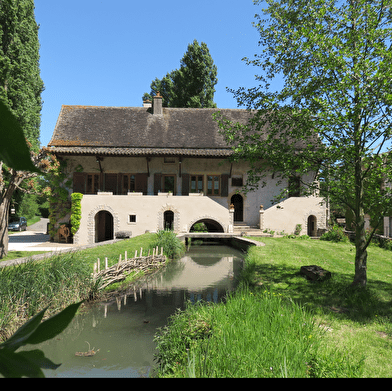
<point>106,263</point>
<point>98,265</point>
<point>135,253</point>
<point>141,252</point>
<point>126,255</point>
<point>95,269</point>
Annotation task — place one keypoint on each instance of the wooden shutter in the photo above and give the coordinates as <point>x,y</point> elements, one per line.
<point>79,182</point>
<point>157,183</point>
<point>141,183</point>
<point>224,185</point>
<point>185,184</point>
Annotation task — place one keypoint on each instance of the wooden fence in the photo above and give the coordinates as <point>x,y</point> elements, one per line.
<point>119,271</point>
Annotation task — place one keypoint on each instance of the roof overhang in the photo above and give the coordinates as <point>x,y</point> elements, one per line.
<point>140,152</point>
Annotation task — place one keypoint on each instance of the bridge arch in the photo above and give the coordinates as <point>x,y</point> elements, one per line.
<point>212,225</point>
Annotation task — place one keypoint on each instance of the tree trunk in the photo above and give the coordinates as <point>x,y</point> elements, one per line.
<point>360,276</point>
<point>5,200</point>
<point>4,211</point>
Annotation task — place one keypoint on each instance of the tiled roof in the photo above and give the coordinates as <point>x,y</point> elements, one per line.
<point>136,131</point>
<point>140,151</point>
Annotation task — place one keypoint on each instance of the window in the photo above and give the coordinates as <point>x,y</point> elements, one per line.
<point>236,181</point>
<point>92,183</point>
<point>196,184</point>
<point>169,183</point>
<point>132,218</point>
<point>128,183</point>
<point>213,185</point>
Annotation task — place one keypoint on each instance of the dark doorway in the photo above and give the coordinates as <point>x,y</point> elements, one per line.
<point>312,225</point>
<point>168,218</point>
<point>103,226</point>
<point>238,203</point>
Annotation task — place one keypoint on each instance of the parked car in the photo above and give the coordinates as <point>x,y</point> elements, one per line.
<point>18,224</point>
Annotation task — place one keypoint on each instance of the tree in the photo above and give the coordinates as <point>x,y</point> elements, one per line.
<point>333,113</point>
<point>192,85</point>
<point>20,97</point>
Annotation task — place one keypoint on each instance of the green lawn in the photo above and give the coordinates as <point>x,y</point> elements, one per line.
<point>356,320</point>
<point>262,324</point>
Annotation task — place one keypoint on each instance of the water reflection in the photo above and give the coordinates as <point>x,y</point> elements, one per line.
<point>124,327</point>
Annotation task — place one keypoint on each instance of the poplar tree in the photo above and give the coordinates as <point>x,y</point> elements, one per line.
<point>193,84</point>
<point>20,93</point>
<point>333,113</point>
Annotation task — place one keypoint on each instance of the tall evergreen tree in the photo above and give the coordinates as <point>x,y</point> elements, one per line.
<point>20,91</point>
<point>193,84</point>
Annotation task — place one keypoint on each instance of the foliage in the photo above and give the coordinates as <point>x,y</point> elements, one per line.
<point>20,105</point>
<point>335,234</point>
<point>76,211</point>
<point>172,246</point>
<point>58,197</point>
<point>29,363</point>
<point>332,114</point>
<point>251,334</point>
<point>298,229</point>
<point>30,287</point>
<point>20,82</point>
<point>199,227</point>
<point>192,85</point>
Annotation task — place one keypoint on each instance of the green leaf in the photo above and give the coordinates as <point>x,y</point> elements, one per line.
<point>20,336</point>
<point>37,357</point>
<point>54,325</point>
<point>14,151</point>
<point>15,365</point>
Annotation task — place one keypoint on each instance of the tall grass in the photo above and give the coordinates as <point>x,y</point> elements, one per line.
<point>252,334</point>
<point>30,287</point>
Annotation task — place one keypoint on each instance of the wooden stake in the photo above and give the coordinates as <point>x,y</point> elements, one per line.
<point>106,263</point>
<point>98,265</point>
<point>126,255</point>
<point>135,253</point>
<point>141,252</point>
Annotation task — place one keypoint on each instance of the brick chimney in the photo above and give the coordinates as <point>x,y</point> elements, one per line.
<point>157,104</point>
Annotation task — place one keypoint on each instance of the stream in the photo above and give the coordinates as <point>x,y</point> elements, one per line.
<point>121,331</point>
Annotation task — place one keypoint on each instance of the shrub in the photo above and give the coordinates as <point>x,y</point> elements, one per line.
<point>335,234</point>
<point>172,246</point>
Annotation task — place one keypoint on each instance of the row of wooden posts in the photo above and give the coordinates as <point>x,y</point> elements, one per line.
<point>116,273</point>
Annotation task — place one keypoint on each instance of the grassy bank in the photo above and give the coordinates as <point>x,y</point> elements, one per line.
<point>57,281</point>
<point>262,325</point>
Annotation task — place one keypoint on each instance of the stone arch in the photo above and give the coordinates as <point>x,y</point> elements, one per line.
<point>213,225</point>
<point>91,221</point>
<point>165,210</point>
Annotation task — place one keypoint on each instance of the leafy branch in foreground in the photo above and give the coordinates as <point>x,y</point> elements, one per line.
<point>29,363</point>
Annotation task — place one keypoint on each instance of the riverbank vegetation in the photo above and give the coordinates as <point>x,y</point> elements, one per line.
<point>28,288</point>
<point>278,324</point>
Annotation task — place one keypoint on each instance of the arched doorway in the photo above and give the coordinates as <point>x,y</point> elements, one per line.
<point>168,219</point>
<point>312,225</point>
<point>103,226</point>
<point>238,203</point>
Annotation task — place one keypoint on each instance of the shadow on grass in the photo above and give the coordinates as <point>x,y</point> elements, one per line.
<point>335,296</point>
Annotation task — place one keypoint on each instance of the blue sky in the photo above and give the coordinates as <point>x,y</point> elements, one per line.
<point>107,52</point>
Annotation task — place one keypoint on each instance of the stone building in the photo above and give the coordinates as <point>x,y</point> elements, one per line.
<point>149,168</point>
